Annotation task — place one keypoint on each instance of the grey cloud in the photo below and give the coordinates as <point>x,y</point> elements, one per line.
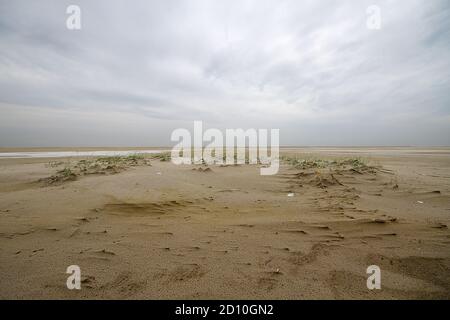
<point>310,68</point>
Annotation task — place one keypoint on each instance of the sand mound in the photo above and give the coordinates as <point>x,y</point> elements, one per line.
<point>103,165</point>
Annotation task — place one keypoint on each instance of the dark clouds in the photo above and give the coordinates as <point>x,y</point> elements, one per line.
<point>139,69</point>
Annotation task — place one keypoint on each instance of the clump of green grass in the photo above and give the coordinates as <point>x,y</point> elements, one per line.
<point>134,157</point>
<point>355,164</point>
<point>164,156</point>
<point>65,174</point>
<point>352,162</point>
<point>325,173</point>
<point>113,163</point>
<point>101,165</point>
<point>300,163</point>
<point>54,164</point>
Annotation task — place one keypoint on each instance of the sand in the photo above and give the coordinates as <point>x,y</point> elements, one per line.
<point>154,230</point>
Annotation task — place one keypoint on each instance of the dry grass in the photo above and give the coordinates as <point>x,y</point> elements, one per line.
<point>164,156</point>
<point>101,165</point>
<point>356,164</point>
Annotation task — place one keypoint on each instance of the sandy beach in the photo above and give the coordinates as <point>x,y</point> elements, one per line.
<point>145,228</point>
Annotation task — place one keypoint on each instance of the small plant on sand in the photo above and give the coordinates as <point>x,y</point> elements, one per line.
<point>66,172</point>
<point>134,157</point>
<point>164,156</point>
<point>54,164</point>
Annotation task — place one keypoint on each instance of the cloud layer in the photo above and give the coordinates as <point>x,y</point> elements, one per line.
<point>137,70</point>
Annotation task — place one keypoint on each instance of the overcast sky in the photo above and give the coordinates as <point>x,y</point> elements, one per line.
<point>139,69</point>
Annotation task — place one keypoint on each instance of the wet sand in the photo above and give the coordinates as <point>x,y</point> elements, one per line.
<point>153,230</point>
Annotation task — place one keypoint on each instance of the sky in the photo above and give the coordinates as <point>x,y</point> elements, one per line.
<point>137,70</point>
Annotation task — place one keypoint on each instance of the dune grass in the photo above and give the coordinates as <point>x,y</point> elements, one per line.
<point>100,165</point>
